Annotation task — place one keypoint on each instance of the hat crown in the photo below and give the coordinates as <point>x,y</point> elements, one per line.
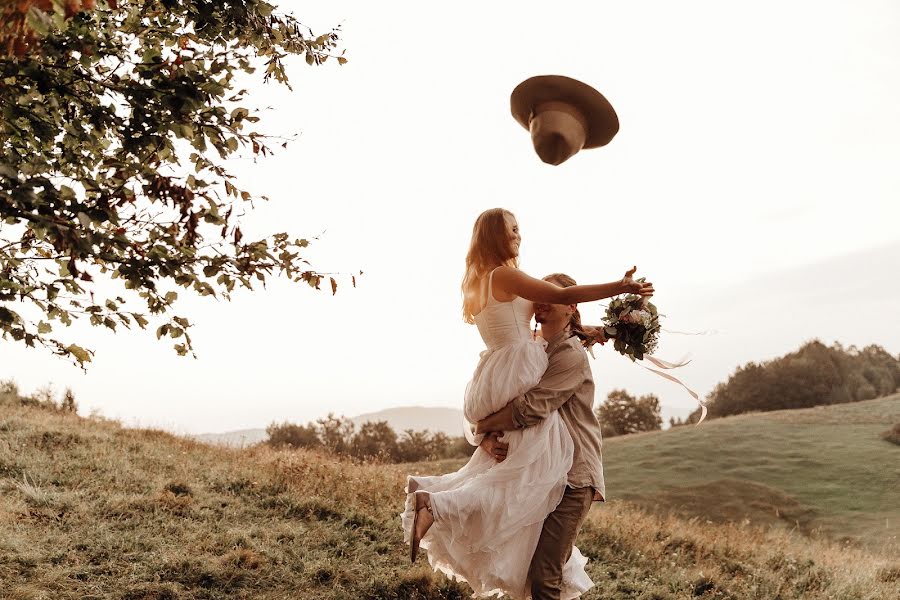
<point>557,135</point>
<point>598,119</point>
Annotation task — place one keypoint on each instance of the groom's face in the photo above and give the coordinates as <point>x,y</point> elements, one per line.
<point>552,314</point>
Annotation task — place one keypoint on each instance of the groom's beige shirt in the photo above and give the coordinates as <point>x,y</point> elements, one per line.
<point>568,386</point>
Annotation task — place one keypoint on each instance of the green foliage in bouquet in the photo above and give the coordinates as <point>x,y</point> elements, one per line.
<point>633,323</point>
<point>116,125</point>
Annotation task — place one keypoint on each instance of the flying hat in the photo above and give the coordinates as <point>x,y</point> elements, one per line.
<point>563,115</point>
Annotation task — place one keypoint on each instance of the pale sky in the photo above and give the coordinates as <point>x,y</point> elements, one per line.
<point>754,180</point>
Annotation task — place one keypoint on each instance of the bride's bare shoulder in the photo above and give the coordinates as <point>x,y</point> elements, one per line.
<point>503,283</point>
<point>508,276</point>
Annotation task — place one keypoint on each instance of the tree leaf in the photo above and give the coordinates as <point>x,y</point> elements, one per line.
<point>80,354</point>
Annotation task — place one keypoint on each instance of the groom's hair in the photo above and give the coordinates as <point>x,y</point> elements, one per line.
<point>563,280</point>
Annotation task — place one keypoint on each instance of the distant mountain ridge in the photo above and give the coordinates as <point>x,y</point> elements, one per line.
<point>433,418</point>
<point>235,439</point>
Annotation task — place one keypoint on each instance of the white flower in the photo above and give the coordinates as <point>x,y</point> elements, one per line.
<point>640,317</point>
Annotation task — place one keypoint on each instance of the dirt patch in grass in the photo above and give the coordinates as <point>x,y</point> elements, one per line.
<point>731,501</point>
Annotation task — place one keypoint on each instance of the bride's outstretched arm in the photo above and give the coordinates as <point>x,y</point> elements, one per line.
<point>516,282</point>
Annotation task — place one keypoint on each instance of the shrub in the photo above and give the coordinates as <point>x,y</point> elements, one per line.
<point>893,434</point>
<point>621,413</point>
<point>68,404</point>
<point>43,397</point>
<point>374,440</point>
<point>289,434</point>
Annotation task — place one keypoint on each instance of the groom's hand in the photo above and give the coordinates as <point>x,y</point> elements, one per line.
<point>596,335</point>
<point>493,446</point>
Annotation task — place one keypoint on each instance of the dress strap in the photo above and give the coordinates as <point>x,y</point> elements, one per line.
<point>489,296</point>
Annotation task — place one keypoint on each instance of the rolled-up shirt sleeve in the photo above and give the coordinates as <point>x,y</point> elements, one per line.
<point>563,376</point>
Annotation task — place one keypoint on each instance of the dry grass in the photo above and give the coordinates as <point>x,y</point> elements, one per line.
<point>640,555</point>
<point>91,510</point>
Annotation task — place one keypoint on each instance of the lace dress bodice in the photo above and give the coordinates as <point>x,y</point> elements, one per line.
<point>512,359</point>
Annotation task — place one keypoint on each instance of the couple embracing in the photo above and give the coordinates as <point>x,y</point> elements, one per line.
<point>506,522</point>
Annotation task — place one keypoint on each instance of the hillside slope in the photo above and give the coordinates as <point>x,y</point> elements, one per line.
<point>89,509</point>
<point>823,469</point>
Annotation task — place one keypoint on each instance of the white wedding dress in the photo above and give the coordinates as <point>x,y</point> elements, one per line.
<point>488,515</point>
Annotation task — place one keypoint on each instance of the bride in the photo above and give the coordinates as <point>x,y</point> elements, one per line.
<point>481,524</point>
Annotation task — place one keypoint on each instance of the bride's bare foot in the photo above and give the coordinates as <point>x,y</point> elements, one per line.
<point>422,522</point>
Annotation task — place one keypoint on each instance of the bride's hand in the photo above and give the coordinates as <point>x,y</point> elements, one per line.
<point>641,288</point>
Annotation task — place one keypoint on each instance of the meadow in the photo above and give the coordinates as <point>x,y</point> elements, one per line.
<point>825,471</point>
<point>92,510</point>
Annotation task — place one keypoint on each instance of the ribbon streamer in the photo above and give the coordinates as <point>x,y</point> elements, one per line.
<point>704,332</point>
<point>664,364</point>
<point>696,396</point>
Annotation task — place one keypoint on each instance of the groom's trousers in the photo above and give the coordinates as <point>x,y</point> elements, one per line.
<point>555,544</point>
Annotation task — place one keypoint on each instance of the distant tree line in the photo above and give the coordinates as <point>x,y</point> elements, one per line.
<point>815,374</point>
<point>374,440</point>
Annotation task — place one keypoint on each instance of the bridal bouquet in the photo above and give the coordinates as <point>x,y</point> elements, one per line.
<point>633,322</point>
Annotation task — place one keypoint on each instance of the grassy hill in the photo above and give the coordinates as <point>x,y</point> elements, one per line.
<point>825,471</point>
<point>91,510</point>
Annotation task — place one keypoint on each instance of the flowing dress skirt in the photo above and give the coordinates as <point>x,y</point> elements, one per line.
<point>489,515</point>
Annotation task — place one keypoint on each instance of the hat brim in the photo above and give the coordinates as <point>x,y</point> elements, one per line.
<point>603,123</point>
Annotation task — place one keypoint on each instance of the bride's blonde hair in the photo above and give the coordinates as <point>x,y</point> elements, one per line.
<point>490,247</point>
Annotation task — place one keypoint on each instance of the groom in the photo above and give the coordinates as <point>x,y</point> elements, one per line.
<point>566,386</point>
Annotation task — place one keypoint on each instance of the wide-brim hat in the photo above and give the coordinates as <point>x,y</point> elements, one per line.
<point>601,118</point>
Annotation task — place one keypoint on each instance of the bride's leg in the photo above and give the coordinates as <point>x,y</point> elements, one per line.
<point>422,522</point>
<point>426,519</point>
